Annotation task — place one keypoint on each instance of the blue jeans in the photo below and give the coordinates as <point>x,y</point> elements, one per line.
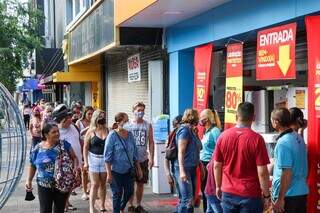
<point>122,189</point>
<point>234,204</point>
<point>186,189</point>
<point>213,204</point>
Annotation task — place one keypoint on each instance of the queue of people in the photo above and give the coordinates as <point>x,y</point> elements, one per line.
<point>77,147</point>
<point>233,163</point>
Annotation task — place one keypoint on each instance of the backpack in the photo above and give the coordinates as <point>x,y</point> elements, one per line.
<point>65,178</point>
<point>171,148</point>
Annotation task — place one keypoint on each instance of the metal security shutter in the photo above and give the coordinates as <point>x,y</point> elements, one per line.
<point>121,94</point>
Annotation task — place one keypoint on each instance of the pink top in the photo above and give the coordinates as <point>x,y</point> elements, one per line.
<point>211,184</point>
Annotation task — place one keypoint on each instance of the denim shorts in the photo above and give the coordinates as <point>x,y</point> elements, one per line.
<point>96,163</point>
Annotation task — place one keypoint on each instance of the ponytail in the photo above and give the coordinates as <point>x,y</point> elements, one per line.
<point>115,126</point>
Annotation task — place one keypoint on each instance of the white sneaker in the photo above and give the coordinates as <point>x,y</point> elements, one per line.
<point>85,196</point>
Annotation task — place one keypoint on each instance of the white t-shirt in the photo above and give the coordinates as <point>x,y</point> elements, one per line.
<point>72,136</point>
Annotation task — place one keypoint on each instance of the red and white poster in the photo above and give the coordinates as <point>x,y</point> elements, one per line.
<point>202,78</point>
<point>234,83</point>
<point>276,48</point>
<point>313,39</point>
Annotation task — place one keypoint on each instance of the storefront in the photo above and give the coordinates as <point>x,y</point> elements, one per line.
<point>129,79</point>
<point>87,40</point>
<point>252,26</point>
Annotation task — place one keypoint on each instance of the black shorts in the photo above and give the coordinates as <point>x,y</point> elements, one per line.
<point>296,204</point>
<point>145,172</point>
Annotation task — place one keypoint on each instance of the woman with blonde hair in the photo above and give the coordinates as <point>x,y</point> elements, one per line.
<point>94,143</point>
<point>188,146</point>
<point>210,121</point>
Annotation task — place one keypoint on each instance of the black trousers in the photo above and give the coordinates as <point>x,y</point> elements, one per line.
<point>26,119</point>
<point>203,186</point>
<point>51,197</point>
<point>296,204</point>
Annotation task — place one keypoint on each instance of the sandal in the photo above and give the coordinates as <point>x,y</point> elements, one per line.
<point>103,210</point>
<point>72,208</point>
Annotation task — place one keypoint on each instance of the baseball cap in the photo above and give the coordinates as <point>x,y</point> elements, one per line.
<point>60,112</point>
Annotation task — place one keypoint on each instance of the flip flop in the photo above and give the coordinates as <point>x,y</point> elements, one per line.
<point>72,208</point>
<point>103,210</point>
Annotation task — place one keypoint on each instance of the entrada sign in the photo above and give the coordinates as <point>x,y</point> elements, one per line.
<point>276,53</point>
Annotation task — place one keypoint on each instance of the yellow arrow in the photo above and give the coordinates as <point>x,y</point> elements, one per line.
<point>284,58</point>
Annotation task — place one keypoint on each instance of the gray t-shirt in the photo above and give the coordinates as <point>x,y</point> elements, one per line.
<point>140,133</point>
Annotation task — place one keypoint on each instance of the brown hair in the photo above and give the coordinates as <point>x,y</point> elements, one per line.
<point>86,109</point>
<point>118,118</point>
<point>138,104</point>
<point>46,129</point>
<point>245,111</point>
<point>190,116</point>
<point>282,115</point>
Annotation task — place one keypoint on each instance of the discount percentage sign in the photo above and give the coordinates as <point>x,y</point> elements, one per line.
<point>233,99</point>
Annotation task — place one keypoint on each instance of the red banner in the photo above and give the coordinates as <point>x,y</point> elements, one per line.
<point>234,83</point>
<point>202,78</point>
<point>276,48</point>
<point>313,37</point>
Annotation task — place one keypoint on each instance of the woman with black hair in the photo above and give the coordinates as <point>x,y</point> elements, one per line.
<point>42,159</point>
<point>298,123</point>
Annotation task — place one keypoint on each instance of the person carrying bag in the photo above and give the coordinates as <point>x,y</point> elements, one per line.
<point>52,168</point>
<point>120,155</point>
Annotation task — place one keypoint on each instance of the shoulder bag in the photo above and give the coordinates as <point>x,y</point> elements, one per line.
<point>133,172</point>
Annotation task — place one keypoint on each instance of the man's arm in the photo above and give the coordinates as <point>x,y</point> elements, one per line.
<point>263,176</point>
<point>151,147</point>
<point>218,177</point>
<point>285,182</point>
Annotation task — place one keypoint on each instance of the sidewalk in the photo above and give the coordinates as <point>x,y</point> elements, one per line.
<point>153,203</point>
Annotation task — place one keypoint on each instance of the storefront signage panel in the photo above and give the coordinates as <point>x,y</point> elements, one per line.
<point>313,39</point>
<point>134,70</point>
<point>94,33</point>
<point>234,83</point>
<point>276,53</point>
<point>202,77</point>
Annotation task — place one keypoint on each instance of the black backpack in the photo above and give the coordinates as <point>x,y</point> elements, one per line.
<point>171,149</point>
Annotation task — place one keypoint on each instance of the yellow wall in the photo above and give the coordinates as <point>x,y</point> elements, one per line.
<point>125,9</point>
<point>88,71</point>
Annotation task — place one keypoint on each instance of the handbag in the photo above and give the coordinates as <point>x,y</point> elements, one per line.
<point>65,178</point>
<point>171,152</point>
<point>133,172</point>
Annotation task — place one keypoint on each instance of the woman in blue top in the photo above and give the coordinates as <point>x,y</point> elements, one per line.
<point>121,157</point>
<point>189,147</point>
<point>42,159</point>
<point>212,125</point>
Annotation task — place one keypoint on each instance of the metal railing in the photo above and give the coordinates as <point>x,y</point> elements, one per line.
<point>13,143</point>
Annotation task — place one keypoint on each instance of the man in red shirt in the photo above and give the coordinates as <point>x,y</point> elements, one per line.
<point>240,167</point>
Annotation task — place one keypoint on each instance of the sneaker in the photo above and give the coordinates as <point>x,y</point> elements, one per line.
<point>140,209</point>
<point>85,196</point>
<point>131,209</point>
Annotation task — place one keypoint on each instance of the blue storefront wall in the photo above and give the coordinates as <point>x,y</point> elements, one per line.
<point>230,19</point>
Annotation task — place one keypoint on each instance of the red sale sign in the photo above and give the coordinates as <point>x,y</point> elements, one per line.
<point>313,38</point>
<point>202,76</point>
<point>276,53</point>
<point>234,83</point>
